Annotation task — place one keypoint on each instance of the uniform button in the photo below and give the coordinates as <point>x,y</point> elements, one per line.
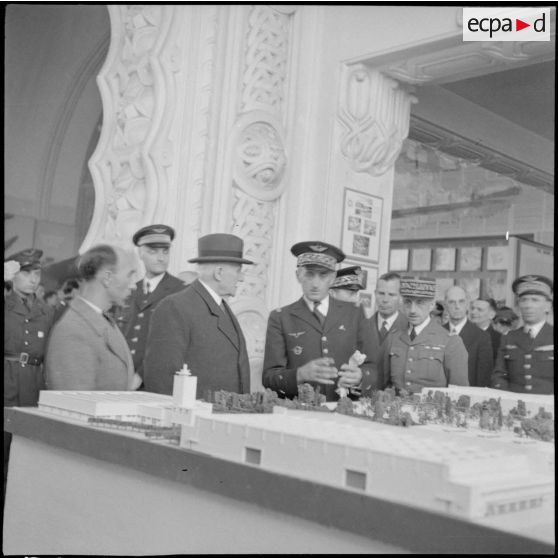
<point>280,376</point>
<point>410,359</point>
<point>408,383</point>
<point>137,327</point>
<point>134,340</point>
<point>528,376</point>
<point>26,321</point>
<point>26,331</point>
<point>140,315</point>
<point>325,351</point>
<point>133,351</point>
<point>411,348</point>
<point>324,338</point>
<point>526,366</point>
<point>528,356</point>
<point>26,342</point>
<point>528,387</point>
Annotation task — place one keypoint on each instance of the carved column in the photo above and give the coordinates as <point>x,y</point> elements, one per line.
<point>258,162</point>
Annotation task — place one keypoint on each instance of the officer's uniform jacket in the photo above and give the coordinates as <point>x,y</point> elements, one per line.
<point>526,365</point>
<point>189,328</point>
<point>433,359</point>
<point>295,337</point>
<point>25,333</point>
<point>134,318</point>
<point>479,351</point>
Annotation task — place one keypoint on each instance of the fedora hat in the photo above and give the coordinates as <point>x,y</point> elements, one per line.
<point>220,247</point>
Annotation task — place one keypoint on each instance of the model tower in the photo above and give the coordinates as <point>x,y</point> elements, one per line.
<point>184,388</point>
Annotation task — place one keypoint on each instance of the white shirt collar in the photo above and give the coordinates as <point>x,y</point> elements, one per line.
<point>390,321</point>
<point>94,306</point>
<point>458,327</point>
<point>420,327</point>
<point>217,298</point>
<point>535,327</point>
<point>153,282</point>
<point>323,307</point>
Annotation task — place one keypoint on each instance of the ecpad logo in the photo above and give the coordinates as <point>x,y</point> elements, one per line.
<point>506,24</point>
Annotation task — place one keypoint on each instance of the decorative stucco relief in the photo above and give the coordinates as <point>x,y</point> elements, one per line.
<point>374,111</point>
<point>125,172</point>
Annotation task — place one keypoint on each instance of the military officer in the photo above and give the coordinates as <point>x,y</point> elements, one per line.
<point>153,242</point>
<point>348,281</point>
<point>312,339</point>
<point>424,355</point>
<point>525,361</point>
<point>27,323</point>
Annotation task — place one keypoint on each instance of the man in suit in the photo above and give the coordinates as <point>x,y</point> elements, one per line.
<point>86,350</point>
<point>312,340</point>
<point>153,242</point>
<point>525,361</point>
<point>425,355</point>
<point>476,341</point>
<point>388,320</point>
<point>482,312</point>
<point>197,327</point>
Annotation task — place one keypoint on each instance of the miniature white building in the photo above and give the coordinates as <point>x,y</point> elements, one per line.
<point>184,388</point>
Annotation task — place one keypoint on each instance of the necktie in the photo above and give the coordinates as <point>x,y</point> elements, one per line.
<point>108,318</point>
<point>147,288</point>
<point>318,314</point>
<point>383,330</point>
<point>413,334</point>
<point>453,331</point>
<point>531,333</point>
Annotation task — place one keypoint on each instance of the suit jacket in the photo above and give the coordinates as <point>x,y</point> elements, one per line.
<point>400,324</point>
<point>433,359</point>
<point>495,338</point>
<point>479,348</point>
<point>295,337</point>
<point>526,365</point>
<point>134,318</point>
<point>87,352</point>
<point>189,328</point>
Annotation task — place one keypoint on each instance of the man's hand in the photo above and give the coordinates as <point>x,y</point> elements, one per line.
<point>10,269</point>
<point>320,370</point>
<point>349,376</point>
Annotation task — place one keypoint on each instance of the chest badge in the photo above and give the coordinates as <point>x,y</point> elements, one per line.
<point>297,350</point>
<point>40,334</point>
<point>342,327</point>
<point>297,334</point>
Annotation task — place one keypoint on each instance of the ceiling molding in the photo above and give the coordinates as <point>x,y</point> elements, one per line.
<point>455,145</point>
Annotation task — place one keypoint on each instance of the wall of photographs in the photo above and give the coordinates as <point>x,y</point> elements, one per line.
<point>483,266</point>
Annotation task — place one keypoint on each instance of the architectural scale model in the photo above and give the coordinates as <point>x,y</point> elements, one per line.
<point>432,468</point>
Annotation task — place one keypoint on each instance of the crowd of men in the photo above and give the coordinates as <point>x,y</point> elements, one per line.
<point>108,332</point>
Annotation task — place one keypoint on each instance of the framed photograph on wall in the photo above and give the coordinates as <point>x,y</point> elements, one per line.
<point>470,258</point>
<point>398,259</point>
<point>444,259</point>
<point>497,258</point>
<point>362,223</point>
<point>421,259</point>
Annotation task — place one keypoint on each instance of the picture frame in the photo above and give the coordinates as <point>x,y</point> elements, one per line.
<point>362,225</point>
<point>470,258</point>
<point>497,258</point>
<point>399,259</point>
<point>444,259</point>
<point>421,259</point>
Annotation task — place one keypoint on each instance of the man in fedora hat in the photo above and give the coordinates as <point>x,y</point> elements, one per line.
<point>197,327</point>
<point>27,324</point>
<point>154,244</point>
<point>312,340</point>
<point>525,361</point>
<point>425,354</point>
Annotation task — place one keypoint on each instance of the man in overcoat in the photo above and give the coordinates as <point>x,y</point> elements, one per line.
<point>86,350</point>
<point>480,361</point>
<point>525,361</point>
<point>154,243</point>
<point>426,355</point>
<point>312,339</point>
<point>197,327</point>
<point>482,312</point>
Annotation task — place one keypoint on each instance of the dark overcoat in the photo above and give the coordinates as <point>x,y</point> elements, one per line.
<point>295,337</point>
<point>134,318</point>
<point>526,365</point>
<point>479,351</point>
<point>189,328</point>
<point>433,359</point>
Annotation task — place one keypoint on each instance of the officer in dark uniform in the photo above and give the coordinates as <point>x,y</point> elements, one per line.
<point>27,323</point>
<point>347,283</point>
<point>153,242</point>
<point>525,361</point>
<point>313,339</point>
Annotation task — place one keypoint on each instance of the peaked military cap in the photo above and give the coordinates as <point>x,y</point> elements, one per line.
<point>418,287</point>
<point>154,235</point>
<point>533,284</point>
<point>27,259</point>
<point>220,247</point>
<point>317,253</point>
<point>350,278</point>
